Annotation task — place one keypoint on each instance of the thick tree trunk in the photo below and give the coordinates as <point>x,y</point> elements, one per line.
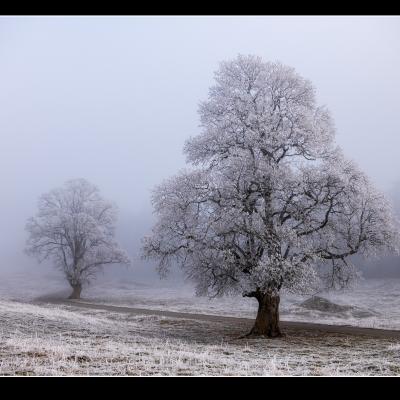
<point>267,320</point>
<point>76,291</point>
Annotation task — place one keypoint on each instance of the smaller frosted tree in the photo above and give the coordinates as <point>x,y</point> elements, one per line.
<point>74,228</point>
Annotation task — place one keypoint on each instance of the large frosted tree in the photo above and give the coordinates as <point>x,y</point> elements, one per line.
<point>270,203</point>
<point>74,229</point>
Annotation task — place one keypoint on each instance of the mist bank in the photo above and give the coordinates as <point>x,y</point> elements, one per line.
<point>130,231</point>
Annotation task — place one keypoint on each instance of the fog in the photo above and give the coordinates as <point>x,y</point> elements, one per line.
<point>112,100</point>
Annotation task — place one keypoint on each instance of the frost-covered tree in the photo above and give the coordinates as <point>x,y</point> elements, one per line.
<point>270,204</point>
<point>74,228</point>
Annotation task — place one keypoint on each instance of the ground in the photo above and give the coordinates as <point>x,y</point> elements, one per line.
<point>66,340</point>
<point>48,339</point>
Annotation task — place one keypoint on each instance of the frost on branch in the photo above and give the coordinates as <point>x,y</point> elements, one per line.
<point>270,203</point>
<point>74,228</point>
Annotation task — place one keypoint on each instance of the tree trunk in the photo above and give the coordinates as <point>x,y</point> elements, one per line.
<point>76,291</point>
<point>267,320</point>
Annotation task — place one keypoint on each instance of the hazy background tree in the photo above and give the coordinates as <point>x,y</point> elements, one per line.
<point>271,203</point>
<point>74,228</point>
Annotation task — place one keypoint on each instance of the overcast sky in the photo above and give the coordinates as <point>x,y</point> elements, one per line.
<point>112,100</point>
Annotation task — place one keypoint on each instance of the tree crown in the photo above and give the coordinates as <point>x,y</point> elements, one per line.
<point>270,198</point>
<point>75,228</point>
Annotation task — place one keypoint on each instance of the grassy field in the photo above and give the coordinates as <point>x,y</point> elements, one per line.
<point>65,340</point>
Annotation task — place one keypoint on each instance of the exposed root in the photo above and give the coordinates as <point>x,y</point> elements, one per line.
<point>251,335</point>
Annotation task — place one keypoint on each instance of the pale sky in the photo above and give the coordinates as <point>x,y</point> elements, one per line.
<point>112,100</point>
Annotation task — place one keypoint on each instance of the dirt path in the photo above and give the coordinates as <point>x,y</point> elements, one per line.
<point>292,325</point>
